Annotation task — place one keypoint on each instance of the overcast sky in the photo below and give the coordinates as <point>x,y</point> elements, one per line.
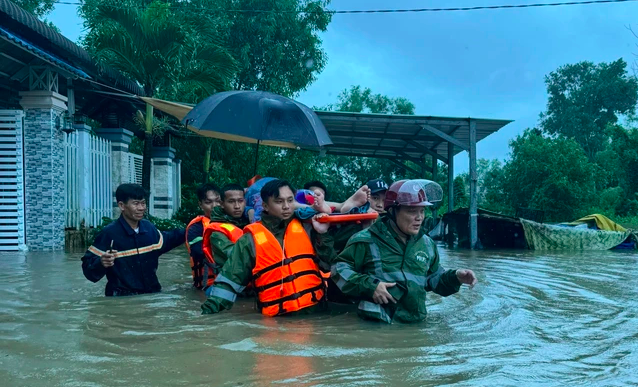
<point>486,64</point>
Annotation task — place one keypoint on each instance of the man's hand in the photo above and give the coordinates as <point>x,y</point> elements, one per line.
<point>467,277</point>
<point>108,259</point>
<point>321,228</point>
<point>381,295</point>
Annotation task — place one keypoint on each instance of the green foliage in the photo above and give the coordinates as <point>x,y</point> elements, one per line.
<point>190,207</point>
<point>552,174</point>
<point>630,222</point>
<point>153,45</point>
<point>580,161</point>
<point>490,193</point>
<point>39,8</point>
<point>277,52</point>
<point>280,53</point>
<point>105,222</point>
<point>359,100</point>
<point>170,56</point>
<point>584,98</point>
<point>461,194</point>
<point>166,224</point>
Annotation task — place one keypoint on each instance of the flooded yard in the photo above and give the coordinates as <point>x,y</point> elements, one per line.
<point>534,319</point>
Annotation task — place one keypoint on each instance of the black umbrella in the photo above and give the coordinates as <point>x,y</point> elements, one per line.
<point>258,117</point>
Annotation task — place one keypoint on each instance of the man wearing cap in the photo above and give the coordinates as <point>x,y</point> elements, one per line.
<point>390,266</point>
<point>378,188</point>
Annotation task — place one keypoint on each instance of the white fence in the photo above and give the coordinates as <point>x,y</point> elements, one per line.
<point>101,187</point>
<point>88,179</point>
<point>135,168</point>
<point>11,181</point>
<point>72,167</point>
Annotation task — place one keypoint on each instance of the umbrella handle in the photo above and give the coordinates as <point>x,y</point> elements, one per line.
<point>256,157</point>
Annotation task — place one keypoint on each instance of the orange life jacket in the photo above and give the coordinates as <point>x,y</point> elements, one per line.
<point>232,232</point>
<point>197,268</point>
<point>286,280</point>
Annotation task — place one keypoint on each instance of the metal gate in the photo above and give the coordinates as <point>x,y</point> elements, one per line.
<point>11,181</point>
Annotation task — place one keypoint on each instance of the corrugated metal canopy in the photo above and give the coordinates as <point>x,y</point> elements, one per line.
<point>402,136</point>
<point>28,28</point>
<point>38,52</point>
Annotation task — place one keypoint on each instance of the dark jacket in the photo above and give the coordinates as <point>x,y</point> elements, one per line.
<point>378,254</point>
<point>194,240</point>
<point>134,271</point>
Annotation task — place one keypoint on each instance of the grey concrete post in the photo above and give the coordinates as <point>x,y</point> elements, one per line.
<point>45,200</point>
<point>473,190</point>
<point>163,187</point>
<point>435,175</point>
<point>450,177</point>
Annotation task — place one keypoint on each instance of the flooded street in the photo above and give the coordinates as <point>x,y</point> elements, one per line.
<point>534,319</point>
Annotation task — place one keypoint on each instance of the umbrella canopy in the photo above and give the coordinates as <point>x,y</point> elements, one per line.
<point>258,117</point>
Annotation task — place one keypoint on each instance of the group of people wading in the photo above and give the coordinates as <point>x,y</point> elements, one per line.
<point>269,241</point>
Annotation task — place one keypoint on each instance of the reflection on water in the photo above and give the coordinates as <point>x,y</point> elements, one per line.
<point>534,319</point>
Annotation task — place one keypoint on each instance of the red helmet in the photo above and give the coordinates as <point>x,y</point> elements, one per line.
<point>406,193</point>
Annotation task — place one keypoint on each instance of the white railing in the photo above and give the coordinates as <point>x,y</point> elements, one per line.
<point>88,179</point>
<point>11,181</point>
<point>74,214</point>
<point>135,168</point>
<point>101,189</point>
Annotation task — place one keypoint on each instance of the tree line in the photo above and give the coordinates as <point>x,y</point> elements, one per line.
<point>581,158</point>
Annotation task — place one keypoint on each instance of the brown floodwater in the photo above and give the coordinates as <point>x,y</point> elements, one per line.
<point>535,319</point>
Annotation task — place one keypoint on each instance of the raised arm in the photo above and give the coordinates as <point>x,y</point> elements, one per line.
<point>233,278</point>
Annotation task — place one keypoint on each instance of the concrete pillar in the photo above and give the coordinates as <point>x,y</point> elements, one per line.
<point>163,185</point>
<point>450,177</point>
<point>121,170</point>
<point>473,191</point>
<point>178,184</point>
<point>435,176</point>
<point>45,200</point>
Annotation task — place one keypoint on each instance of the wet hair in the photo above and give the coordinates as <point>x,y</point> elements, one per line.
<point>271,189</point>
<point>128,191</point>
<point>230,187</point>
<point>203,189</point>
<point>318,184</point>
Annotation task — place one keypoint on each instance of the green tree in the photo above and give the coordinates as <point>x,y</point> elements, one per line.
<point>461,196</point>
<point>40,8</point>
<point>490,192</point>
<point>360,100</point>
<point>584,98</point>
<point>618,172</point>
<point>277,51</point>
<point>552,174</point>
<point>155,47</point>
